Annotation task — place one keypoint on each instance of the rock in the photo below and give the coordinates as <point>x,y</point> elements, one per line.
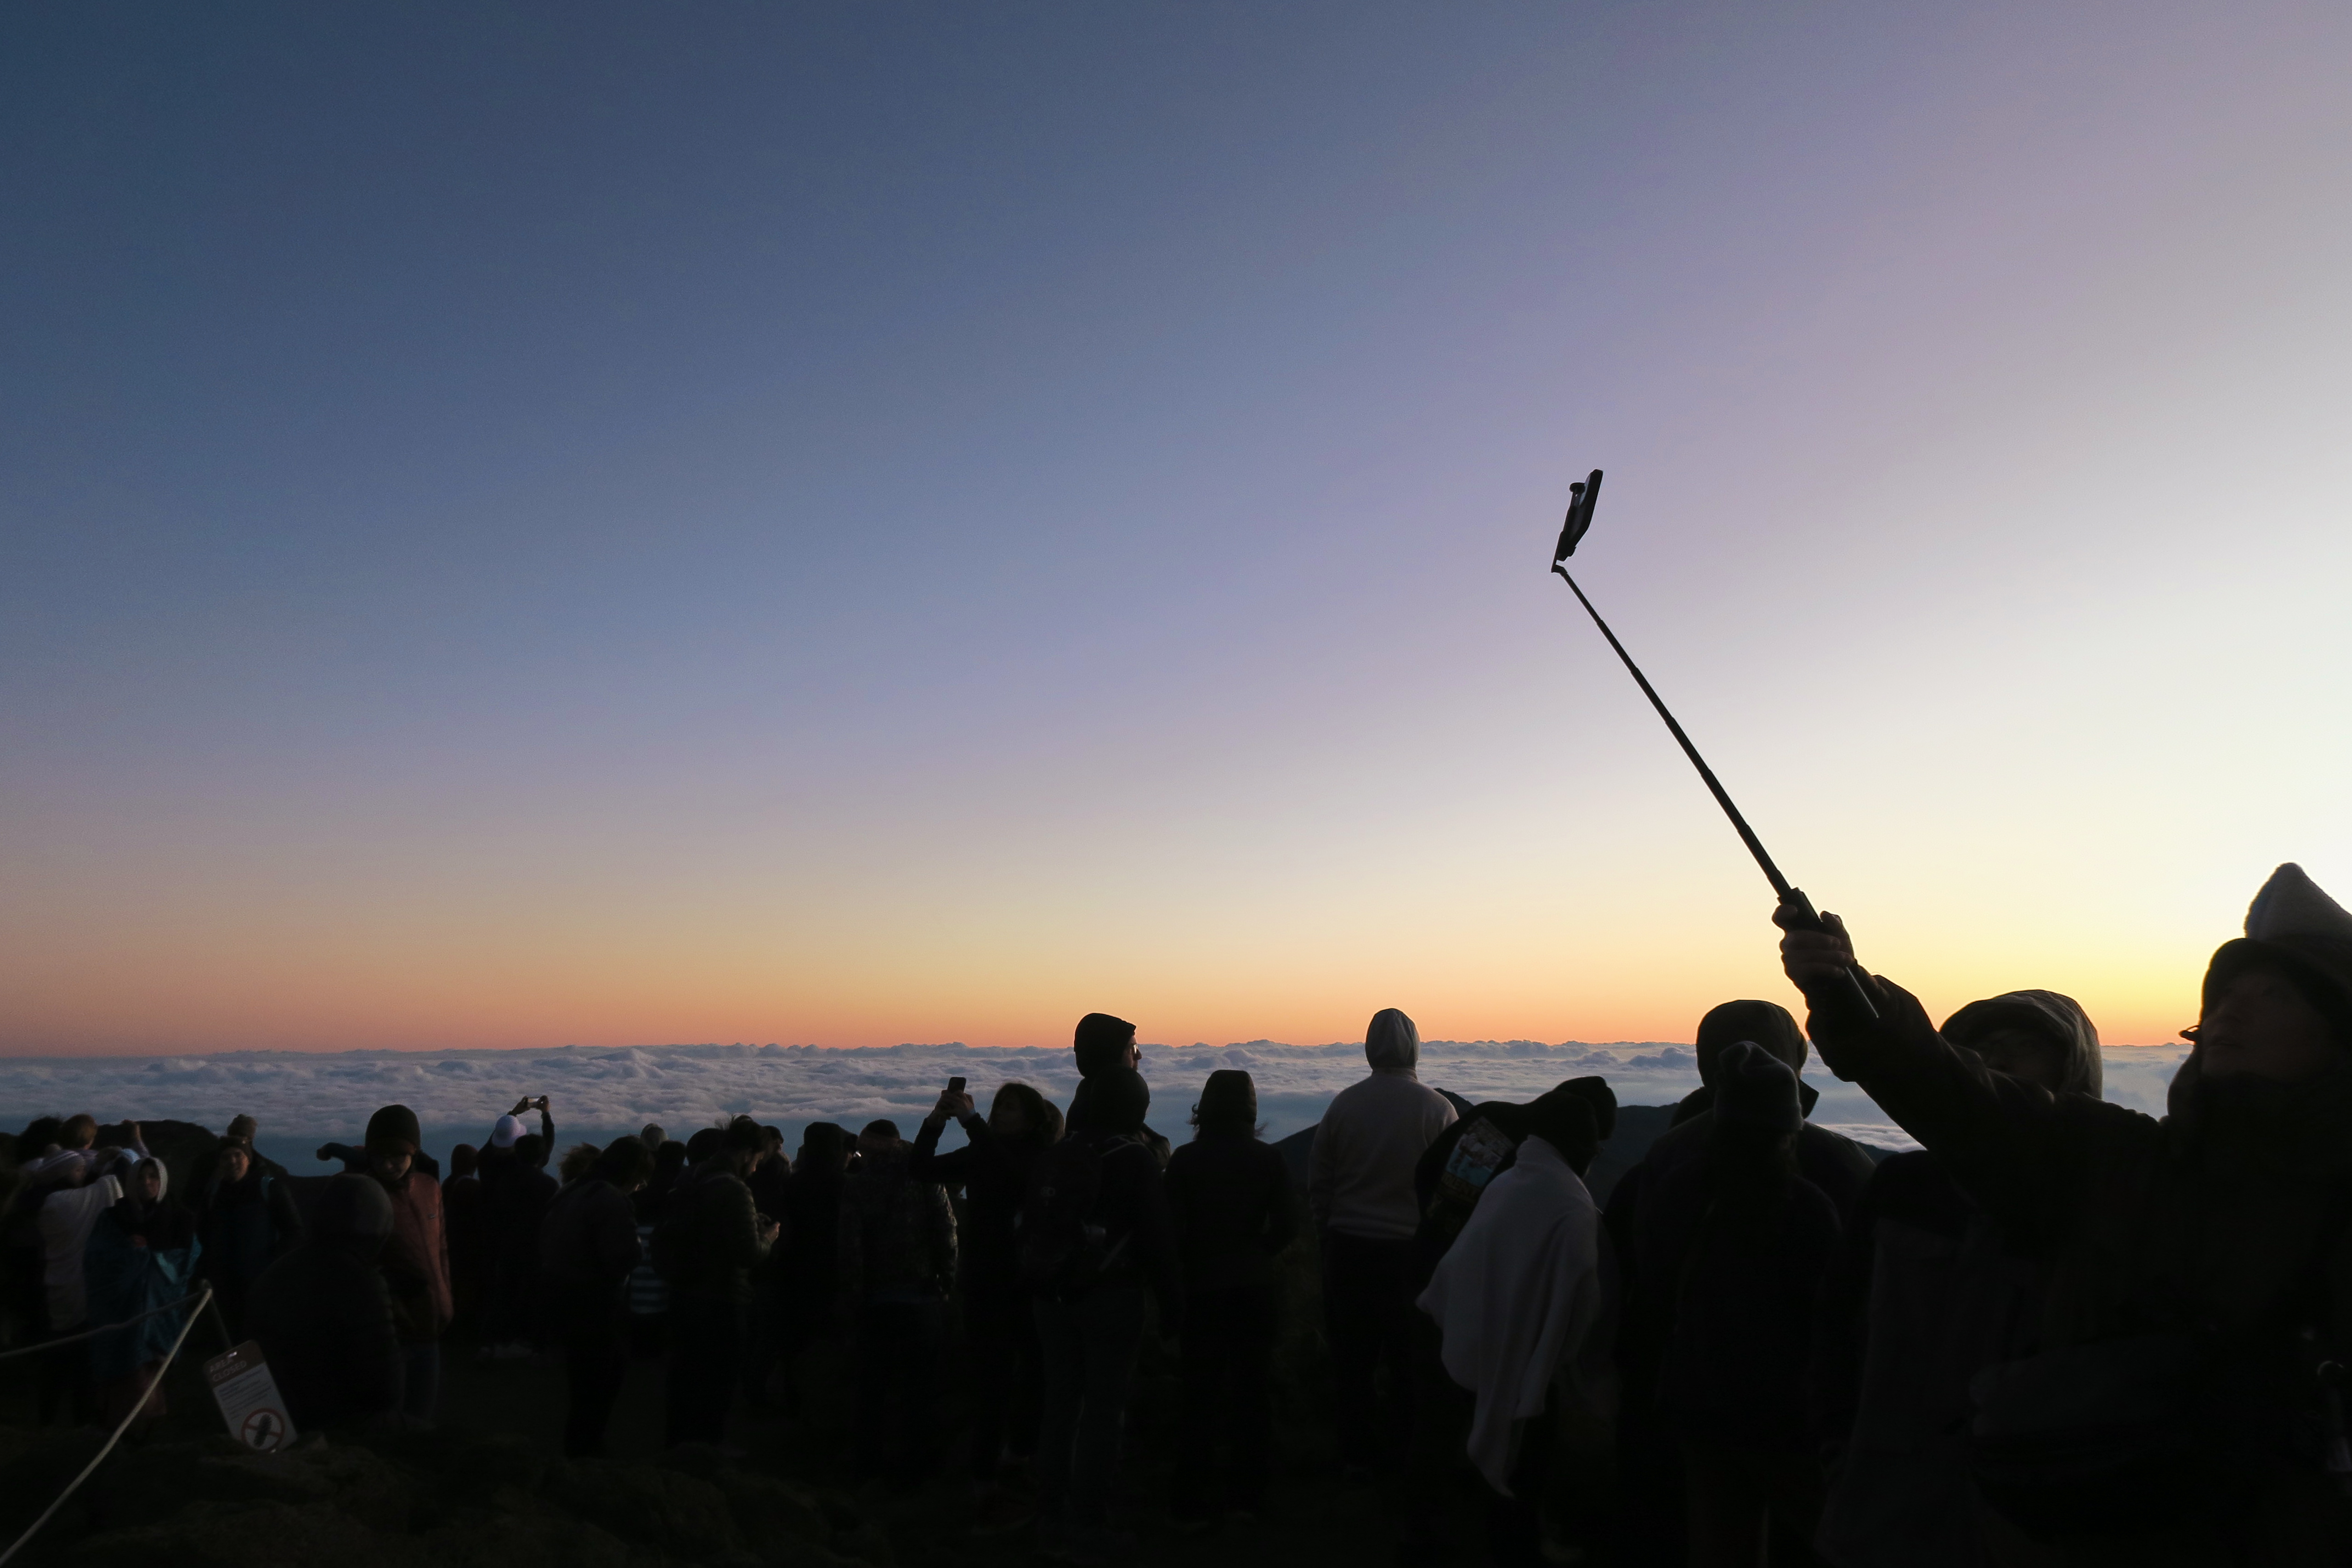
<point>766,1508</point>
<point>674,1513</point>
<point>241,1534</point>
<point>538,1540</point>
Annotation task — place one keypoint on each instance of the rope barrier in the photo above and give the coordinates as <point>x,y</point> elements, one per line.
<point>194,1300</point>
<point>145,1395</point>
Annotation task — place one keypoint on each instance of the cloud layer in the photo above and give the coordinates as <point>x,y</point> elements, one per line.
<point>300,1100</point>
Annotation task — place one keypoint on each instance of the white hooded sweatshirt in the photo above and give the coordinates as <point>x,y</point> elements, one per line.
<point>1529,1290</point>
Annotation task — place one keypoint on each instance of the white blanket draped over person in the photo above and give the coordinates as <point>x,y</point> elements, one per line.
<point>1527,1291</point>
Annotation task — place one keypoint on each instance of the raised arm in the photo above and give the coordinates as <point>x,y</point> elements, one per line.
<point>2011,1146</point>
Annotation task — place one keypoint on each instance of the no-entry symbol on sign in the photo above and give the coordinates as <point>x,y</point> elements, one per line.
<point>248,1398</point>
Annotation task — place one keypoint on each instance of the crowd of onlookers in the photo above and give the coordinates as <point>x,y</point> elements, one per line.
<point>2063,1332</point>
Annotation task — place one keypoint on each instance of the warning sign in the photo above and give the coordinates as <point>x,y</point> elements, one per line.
<point>248,1398</point>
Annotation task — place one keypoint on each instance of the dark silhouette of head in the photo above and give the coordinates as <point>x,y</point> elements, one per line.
<point>1228,1105</point>
<point>1769,1024</point>
<point>1104,1041</point>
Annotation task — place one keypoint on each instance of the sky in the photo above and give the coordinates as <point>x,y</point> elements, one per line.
<point>611,525</point>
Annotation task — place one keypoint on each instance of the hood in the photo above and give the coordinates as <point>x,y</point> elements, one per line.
<point>2050,1014</point>
<point>352,1211</point>
<point>1392,1043</point>
<point>1754,1087</point>
<point>2293,926</point>
<point>1768,1024</point>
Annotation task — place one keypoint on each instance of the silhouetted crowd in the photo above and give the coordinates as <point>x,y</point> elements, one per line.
<point>2060,1332</point>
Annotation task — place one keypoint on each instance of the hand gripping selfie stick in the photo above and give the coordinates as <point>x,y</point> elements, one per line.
<point>1581,499</point>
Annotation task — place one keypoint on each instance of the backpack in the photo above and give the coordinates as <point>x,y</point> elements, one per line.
<point>1063,1243</point>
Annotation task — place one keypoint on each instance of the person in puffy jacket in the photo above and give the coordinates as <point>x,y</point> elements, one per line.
<point>1929,1293</point>
<point>587,1250</point>
<point>141,1255</point>
<point>247,1221</point>
<point>323,1314</point>
<point>2199,1268</point>
<point>1233,1210</point>
<point>993,1168</point>
<point>415,1258</point>
<point>1736,1246</point>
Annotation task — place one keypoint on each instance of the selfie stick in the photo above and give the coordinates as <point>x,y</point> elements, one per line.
<point>1581,499</point>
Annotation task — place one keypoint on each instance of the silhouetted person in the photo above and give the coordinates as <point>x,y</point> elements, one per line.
<point>1744,1245</point>
<point>81,1191</point>
<point>1360,1194</point>
<point>516,1191</point>
<point>1523,1304</point>
<point>1005,1366</point>
<point>1927,1294</point>
<point>141,1255</point>
<point>415,1260</point>
<point>588,1247</point>
<point>1459,1164</point>
<point>765,1332</point>
<point>1649,1456</point>
<point>1230,1200</point>
<point>2195,1262</point>
<point>323,1315</point>
<point>466,1222</point>
<point>247,1221</point>
<point>898,1254</point>
<point>648,1292</point>
<point>706,1243</point>
<point>1095,1248</point>
<point>811,1274</point>
<point>1103,1043</point>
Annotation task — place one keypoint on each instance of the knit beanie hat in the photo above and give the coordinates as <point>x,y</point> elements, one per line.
<point>1754,1087</point>
<point>504,1134</point>
<point>393,1130</point>
<point>1768,1024</point>
<point>1101,1042</point>
<point>2293,927</point>
<point>1228,1103</point>
<point>1392,1042</point>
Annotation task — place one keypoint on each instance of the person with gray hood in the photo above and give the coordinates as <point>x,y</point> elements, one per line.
<point>2184,1401</point>
<point>1360,1191</point>
<point>323,1314</point>
<point>1927,1294</point>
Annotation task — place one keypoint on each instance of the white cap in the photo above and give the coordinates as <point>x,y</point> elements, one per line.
<point>504,1134</point>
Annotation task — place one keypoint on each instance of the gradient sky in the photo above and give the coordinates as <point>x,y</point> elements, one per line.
<point>611,524</point>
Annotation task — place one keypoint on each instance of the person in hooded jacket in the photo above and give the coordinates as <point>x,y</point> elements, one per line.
<point>81,1191</point>
<point>898,1260</point>
<point>1736,1247</point>
<point>323,1315</point>
<point>1231,1202</point>
<point>1098,1248</point>
<point>1522,1305</point>
<point>1926,1295</point>
<point>587,1250</point>
<point>1106,1043</point>
<point>247,1221</point>
<point>2199,1268</point>
<point>1360,1191</point>
<point>141,1255</point>
<point>709,1238</point>
<point>811,1268</point>
<point>415,1258</point>
<point>1648,1454</point>
<point>1000,1326</point>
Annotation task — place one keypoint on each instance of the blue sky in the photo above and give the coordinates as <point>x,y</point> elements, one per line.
<point>608,524</point>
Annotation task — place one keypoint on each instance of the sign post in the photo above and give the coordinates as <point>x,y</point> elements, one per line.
<point>248,1398</point>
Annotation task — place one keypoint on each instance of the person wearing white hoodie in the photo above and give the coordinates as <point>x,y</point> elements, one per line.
<point>1360,1190</point>
<point>1525,1304</point>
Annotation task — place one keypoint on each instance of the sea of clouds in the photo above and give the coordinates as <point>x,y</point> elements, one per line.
<point>304,1099</point>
